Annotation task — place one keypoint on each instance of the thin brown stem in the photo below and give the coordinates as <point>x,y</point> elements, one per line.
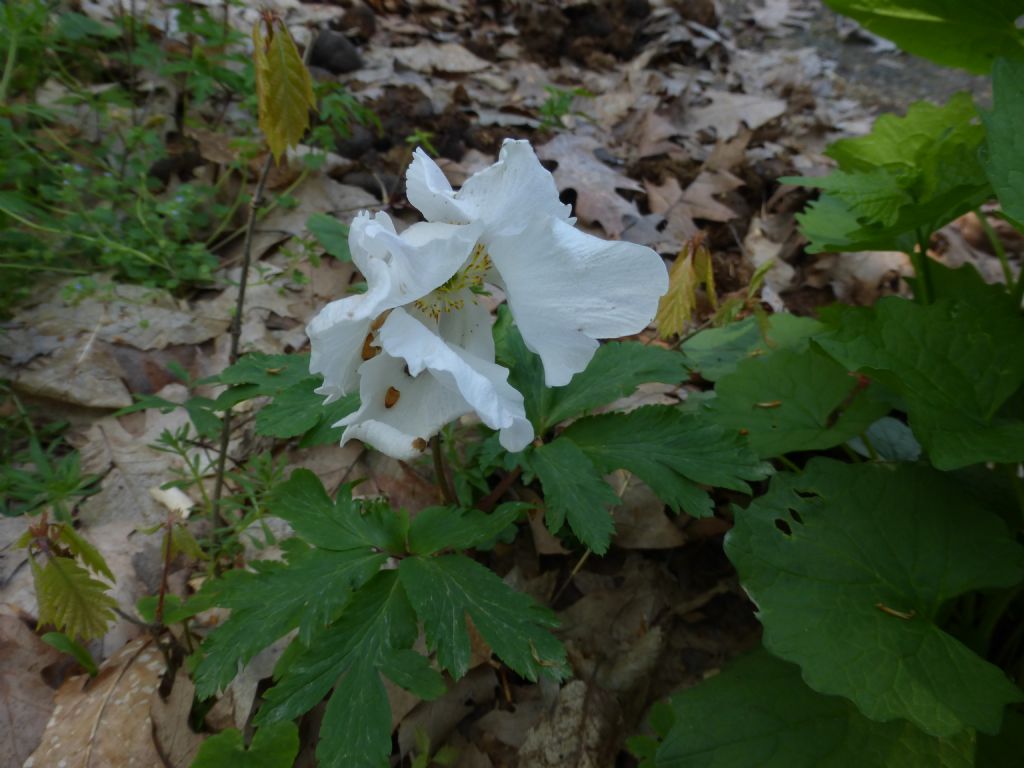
<point>441,473</point>
<point>487,503</point>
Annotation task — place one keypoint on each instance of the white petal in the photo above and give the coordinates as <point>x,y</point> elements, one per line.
<point>567,288</point>
<point>429,190</point>
<point>481,383</point>
<point>469,328</point>
<point>514,191</point>
<point>424,405</point>
<point>398,269</point>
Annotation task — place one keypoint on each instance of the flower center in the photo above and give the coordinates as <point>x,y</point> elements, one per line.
<point>451,295</point>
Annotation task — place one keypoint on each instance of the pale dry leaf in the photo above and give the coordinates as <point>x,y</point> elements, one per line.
<point>641,522</point>
<point>85,373</point>
<point>26,701</point>
<point>105,721</point>
<point>175,742</point>
<point>595,182</point>
<point>727,111</point>
<point>580,731</point>
<point>448,58</point>
<point>759,248</point>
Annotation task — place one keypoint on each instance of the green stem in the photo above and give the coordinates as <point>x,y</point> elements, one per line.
<point>12,58</point>
<point>872,453</point>
<point>997,246</point>
<point>788,464</point>
<point>441,475</point>
<point>922,269</point>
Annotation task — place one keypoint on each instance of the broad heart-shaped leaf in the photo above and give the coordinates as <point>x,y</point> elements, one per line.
<point>616,370</point>
<point>759,712</point>
<point>950,32</point>
<point>342,524</point>
<point>1004,155</point>
<point>931,155</point>
<point>444,590</point>
<point>266,603</point>
<point>273,746</point>
<point>794,401</point>
<point>574,490</point>
<point>849,566</point>
<point>359,646</point>
<point>673,452</point>
<point>717,351</point>
<point>283,86</point>
<point>954,363</point>
<point>71,599</point>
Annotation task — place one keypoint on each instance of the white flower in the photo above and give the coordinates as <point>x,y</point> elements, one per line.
<point>418,343</point>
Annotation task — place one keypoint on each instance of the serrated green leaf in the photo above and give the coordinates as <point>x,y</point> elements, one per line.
<point>71,599</point>
<point>325,431</point>
<point>949,32</point>
<point>85,551</point>
<point>575,491</point>
<point>331,234</point>
<point>376,620</point>
<point>437,528</point>
<point>794,401</point>
<point>1004,155</point>
<point>412,671</point>
<point>673,452</point>
<point>717,351</point>
<point>444,590</point>
<point>931,154</point>
<point>526,372</point>
<point>849,566</point>
<point>759,712</point>
<point>270,373</point>
<point>273,599</point>
<point>954,363</point>
<point>616,370</point>
<point>356,729</point>
<point>274,746</point>
<point>77,651</point>
<point>293,411</point>
<point>342,524</point>
<point>284,87</point>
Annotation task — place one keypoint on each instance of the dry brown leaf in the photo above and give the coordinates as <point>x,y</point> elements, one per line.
<point>582,731</point>
<point>439,717</point>
<point>641,522</point>
<point>26,701</point>
<point>595,182</point>
<point>728,111</point>
<point>105,721</point>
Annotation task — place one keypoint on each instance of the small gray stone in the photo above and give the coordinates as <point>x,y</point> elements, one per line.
<point>333,51</point>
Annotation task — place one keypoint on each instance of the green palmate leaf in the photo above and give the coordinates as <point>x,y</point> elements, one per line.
<point>331,234</point>
<point>954,363</point>
<point>273,746</point>
<point>71,599</point>
<point>717,351</point>
<point>342,524</point>
<point>272,600</point>
<point>1004,155</point>
<point>293,411</point>
<point>270,373</point>
<point>359,645</point>
<point>794,401</point>
<point>849,566</point>
<point>438,528</point>
<point>284,87</point>
<point>759,712</point>
<point>575,490</point>
<point>445,590</point>
<point>950,32</point>
<point>325,431</point>
<point>910,174</point>
<point>673,452</point>
<point>617,369</point>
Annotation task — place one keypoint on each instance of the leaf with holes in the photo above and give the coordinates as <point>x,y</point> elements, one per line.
<point>849,566</point>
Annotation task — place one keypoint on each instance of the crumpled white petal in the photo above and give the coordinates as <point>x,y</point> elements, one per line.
<point>481,383</point>
<point>566,289</point>
<point>399,269</point>
<point>401,431</point>
<point>504,197</point>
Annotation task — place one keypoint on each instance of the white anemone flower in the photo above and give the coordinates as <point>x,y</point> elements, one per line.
<point>418,343</point>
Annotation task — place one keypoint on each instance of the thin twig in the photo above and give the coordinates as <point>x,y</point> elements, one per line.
<point>486,504</point>
<point>236,335</point>
<point>442,475</point>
